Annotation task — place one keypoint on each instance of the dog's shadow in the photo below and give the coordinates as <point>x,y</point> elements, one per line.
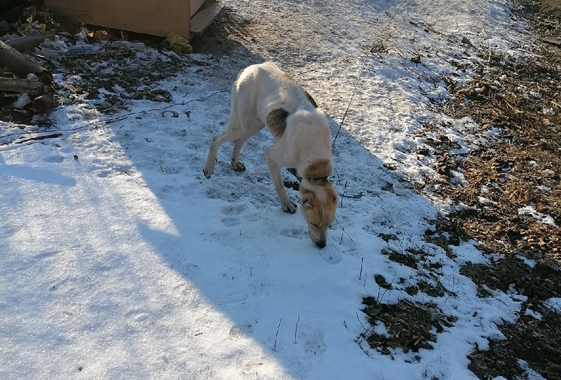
<point>294,185</point>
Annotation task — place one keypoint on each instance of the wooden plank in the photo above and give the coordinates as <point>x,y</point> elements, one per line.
<point>20,85</point>
<point>159,18</point>
<point>202,19</point>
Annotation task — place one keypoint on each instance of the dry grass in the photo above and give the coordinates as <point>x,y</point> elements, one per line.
<point>520,168</point>
<point>522,100</point>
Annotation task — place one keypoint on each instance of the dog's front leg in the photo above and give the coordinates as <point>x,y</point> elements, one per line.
<point>274,168</point>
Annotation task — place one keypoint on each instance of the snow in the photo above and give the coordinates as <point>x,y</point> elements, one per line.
<point>118,259</point>
<point>538,216</point>
<point>554,304</point>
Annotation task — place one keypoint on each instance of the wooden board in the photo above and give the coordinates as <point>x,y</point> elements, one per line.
<point>159,17</point>
<point>202,19</point>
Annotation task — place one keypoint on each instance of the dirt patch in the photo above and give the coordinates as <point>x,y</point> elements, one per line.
<point>537,341</point>
<point>124,68</point>
<point>535,336</point>
<point>409,326</point>
<point>405,258</point>
<point>538,283</point>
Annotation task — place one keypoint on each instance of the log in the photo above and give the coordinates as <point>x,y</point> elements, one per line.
<point>30,42</point>
<point>20,85</point>
<point>552,40</point>
<point>20,65</point>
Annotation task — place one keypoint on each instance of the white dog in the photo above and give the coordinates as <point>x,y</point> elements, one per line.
<point>264,95</point>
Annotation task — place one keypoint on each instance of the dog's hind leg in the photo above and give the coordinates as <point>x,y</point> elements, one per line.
<point>250,129</point>
<point>236,164</point>
<point>275,169</point>
<point>230,133</point>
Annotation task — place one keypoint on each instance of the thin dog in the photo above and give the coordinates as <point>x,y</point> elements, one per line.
<point>265,95</point>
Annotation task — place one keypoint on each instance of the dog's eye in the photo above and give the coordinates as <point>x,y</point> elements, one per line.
<point>315,225</point>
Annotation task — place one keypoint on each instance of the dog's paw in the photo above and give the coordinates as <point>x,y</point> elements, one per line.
<point>207,172</point>
<point>289,207</point>
<point>238,166</point>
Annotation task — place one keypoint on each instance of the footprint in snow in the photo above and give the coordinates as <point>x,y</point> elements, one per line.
<point>231,212</point>
<point>230,221</point>
<point>330,255</point>
<point>54,159</point>
<point>313,342</point>
<point>190,270</point>
<point>294,232</point>
<point>138,319</point>
<point>45,255</point>
<point>234,209</point>
<point>8,230</point>
<point>237,332</point>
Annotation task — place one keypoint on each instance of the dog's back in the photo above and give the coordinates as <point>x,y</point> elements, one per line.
<point>269,88</point>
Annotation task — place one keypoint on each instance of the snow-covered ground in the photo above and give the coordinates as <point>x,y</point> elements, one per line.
<point>118,259</point>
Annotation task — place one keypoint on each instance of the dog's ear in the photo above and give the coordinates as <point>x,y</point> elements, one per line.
<point>331,192</point>
<point>307,198</point>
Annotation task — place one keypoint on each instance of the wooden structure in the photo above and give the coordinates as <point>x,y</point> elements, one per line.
<point>156,17</point>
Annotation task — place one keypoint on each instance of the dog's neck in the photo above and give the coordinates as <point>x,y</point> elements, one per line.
<point>317,172</point>
<point>318,181</point>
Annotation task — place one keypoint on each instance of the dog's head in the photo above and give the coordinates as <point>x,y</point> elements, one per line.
<point>319,202</point>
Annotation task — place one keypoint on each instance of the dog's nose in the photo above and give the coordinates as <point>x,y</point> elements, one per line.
<point>321,243</point>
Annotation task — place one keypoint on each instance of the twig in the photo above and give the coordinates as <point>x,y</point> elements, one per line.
<point>276,335</point>
<point>343,195</point>
<point>360,274</point>
<point>37,138</point>
<point>296,329</point>
<point>359,321</point>
<point>122,117</point>
<point>390,289</point>
<point>356,196</point>
<point>9,136</point>
<point>343,229</point>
